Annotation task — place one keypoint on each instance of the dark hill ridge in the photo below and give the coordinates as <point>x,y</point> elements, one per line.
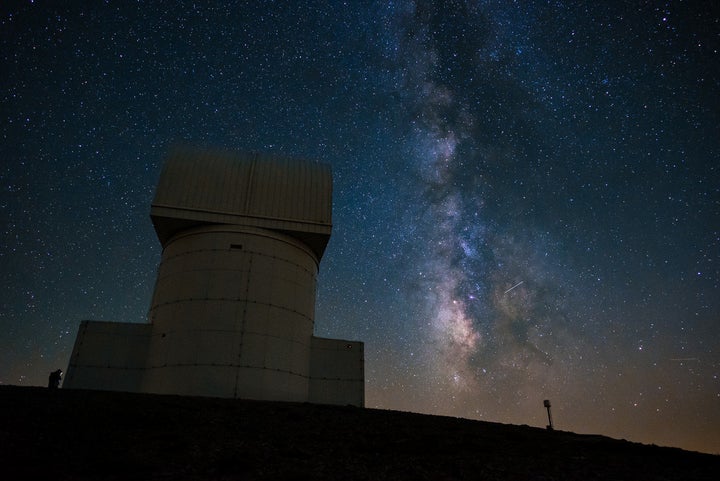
<point>74,434</point>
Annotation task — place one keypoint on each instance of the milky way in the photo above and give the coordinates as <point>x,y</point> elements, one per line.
<point>484,325</point>
<point>526,196</point>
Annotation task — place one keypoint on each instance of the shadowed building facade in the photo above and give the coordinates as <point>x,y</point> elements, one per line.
<point>233,309</point>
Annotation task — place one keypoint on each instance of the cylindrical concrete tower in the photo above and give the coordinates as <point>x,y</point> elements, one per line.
<point>233,307</point>
<point>233,314</point>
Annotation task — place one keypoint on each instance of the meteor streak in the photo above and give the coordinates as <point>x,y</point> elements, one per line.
<point>513,287</point>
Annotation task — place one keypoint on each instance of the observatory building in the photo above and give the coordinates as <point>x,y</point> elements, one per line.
<point>233,310</point>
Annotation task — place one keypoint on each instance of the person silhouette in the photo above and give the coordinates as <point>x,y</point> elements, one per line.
<point>54,379</point>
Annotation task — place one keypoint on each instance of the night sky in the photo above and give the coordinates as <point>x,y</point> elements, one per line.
<point>526,194</point>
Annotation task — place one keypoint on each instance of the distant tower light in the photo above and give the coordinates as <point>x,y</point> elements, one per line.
<point>546,403</point>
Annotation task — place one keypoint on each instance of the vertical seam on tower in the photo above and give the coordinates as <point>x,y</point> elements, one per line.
<point>242,322</point>
<point>248,188</point>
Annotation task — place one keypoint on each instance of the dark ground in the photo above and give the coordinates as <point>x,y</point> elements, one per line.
<point>74,434</point>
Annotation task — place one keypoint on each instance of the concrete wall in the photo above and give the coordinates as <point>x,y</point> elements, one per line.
<point>108,356</point>
<point>337,370</point>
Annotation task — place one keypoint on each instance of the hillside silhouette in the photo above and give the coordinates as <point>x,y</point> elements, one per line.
<point>75,434</point>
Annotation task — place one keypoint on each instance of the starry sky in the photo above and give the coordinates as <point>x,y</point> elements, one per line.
<point>526,194</point>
